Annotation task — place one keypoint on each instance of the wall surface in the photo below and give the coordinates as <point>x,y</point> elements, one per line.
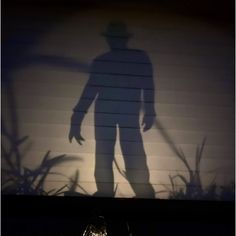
<point>49,61</point>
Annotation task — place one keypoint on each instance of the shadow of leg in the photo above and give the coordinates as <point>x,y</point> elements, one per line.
<point>137,172</point>
<point>103,164</point>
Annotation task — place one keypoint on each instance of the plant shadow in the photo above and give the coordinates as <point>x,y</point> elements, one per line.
<point>20,180</point>
<point>192,186</point>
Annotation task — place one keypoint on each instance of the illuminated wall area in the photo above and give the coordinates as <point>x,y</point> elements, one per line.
<point>118,102</point>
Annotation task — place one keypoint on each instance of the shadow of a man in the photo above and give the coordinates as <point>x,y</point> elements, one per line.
<point>121,84</point>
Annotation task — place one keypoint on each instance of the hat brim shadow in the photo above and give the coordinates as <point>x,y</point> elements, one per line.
<point>109,35</point>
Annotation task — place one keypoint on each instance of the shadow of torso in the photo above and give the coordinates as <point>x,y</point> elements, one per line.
<point>120,76</point>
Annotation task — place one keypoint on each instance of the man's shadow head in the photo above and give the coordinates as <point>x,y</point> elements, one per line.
<point>117,35</point>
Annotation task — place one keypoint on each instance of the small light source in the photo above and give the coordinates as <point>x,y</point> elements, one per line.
<point>97,227</point>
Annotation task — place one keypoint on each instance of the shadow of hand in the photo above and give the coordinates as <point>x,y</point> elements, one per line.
<point>147,122</point>
<point>75,133</point>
